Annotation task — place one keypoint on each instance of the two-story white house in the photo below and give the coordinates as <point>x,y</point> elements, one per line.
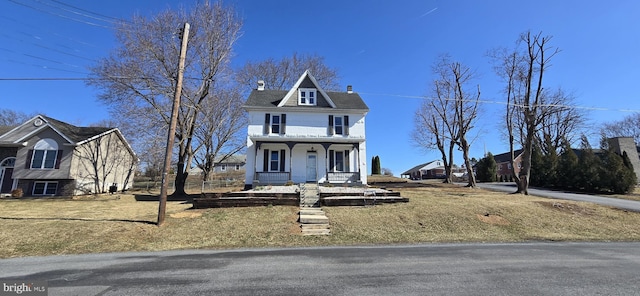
<point>305,134</point>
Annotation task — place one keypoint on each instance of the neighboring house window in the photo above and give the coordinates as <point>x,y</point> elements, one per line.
<point>237,167</point>
<point>338,125</point>
<point>275,124</point>
<point>45,188</point>
<point>509,165</point>
<point>307,96</point>
<point>223,167</point>
<point>339,160</point>
<point>45,155</point>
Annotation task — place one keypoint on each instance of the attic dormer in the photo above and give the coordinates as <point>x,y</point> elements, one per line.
<point>306,92</point>
<point>307,97</point>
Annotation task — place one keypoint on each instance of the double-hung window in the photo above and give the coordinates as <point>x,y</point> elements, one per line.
<point>307,96</point>
<point>45,188</point>
<point>339,160</point>
<point>44,154</point>
<point>338,125</point>
<point>275,124</point>
<point>274,161</point>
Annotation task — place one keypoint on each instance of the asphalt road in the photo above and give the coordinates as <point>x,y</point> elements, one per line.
<point>624,204</point>
<point>439,269</point>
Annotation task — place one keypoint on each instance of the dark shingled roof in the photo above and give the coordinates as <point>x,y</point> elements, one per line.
<point>4,129</point>
<point>504,157</point>
<point>76,133</point>
<point>271,98</point>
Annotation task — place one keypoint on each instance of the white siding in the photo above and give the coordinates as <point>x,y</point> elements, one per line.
<point>307,125</point>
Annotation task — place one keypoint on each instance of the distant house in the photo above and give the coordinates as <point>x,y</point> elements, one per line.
<point>503,164</point>
<point>231,164</point>
<point>627,144</point>
<point>47,157</point>
<point>305,134</point>
<point>429,170</point>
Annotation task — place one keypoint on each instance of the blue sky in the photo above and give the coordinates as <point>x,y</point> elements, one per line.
<point>385,49</point>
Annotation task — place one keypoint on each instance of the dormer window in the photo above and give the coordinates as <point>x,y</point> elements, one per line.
<point>307,96</point>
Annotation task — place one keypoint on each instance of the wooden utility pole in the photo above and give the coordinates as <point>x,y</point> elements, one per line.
<point>172,126</point>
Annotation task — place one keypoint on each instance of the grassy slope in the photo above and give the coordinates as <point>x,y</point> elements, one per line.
<point>437,213</point>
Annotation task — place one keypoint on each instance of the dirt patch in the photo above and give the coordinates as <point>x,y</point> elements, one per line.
<point>189,214</point>
<point>567,207</point>
<point>493,219</point>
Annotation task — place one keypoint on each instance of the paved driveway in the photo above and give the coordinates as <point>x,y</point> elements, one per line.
<point>624,204</point>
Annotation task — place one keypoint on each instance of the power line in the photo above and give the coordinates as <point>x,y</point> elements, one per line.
<point>60,15</point>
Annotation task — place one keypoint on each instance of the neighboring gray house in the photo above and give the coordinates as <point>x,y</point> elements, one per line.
<point>47,157</point>
<point>231,164</point>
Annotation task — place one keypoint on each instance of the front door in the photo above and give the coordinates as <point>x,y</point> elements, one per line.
<point>6,180</point>
<point>312,165</point>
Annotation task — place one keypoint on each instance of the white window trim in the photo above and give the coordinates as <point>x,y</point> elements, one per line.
<point>277,152</point>
<point>335,125</point>
<point>308,91</point>
<point>223,167</point>
<point>272,123</point>
<point>335,161</point>
<point>44,157</point>
<point>47,146</point>
<point>44,191</point>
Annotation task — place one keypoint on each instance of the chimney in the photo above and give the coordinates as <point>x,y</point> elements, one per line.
<point>260,85</point>
<point>349,89</point>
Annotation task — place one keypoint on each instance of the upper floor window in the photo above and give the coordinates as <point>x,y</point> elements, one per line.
<point>339,125</point>
<point>45,154</point>
<point>307,96</point>
<point>274,124</point>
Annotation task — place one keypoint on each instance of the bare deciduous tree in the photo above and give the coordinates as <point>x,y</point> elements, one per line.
<point>431,133</point>
<point>140,76</point>
<point>282,74</point>
<point>11,117</point>
<point>222,120</point>
<point>629,126</point>
<point>444,121</point>
<point>529,106</point>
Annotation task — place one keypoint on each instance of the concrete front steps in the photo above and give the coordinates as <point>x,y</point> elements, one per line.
<point>313,220</point>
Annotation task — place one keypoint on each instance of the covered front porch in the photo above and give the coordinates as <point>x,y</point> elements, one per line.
<point>288,162</point>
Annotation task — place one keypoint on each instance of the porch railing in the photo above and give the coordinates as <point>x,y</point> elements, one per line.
<point>273,178</point>
<point>343,177</point>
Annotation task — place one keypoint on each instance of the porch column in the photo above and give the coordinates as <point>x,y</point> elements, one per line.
<point>291,145</point>
<point>326,160</point>
<point>356,146</point>
<point>255,162</point>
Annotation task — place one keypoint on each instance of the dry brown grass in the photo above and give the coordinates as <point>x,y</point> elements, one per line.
<point>633,195</point>
<point>437,213</point>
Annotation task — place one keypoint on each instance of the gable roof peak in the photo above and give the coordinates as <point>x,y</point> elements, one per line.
<point>294,89</point>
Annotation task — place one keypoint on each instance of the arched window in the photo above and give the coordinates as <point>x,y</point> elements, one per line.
<point>8,162</point>
<point>45,153</point>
